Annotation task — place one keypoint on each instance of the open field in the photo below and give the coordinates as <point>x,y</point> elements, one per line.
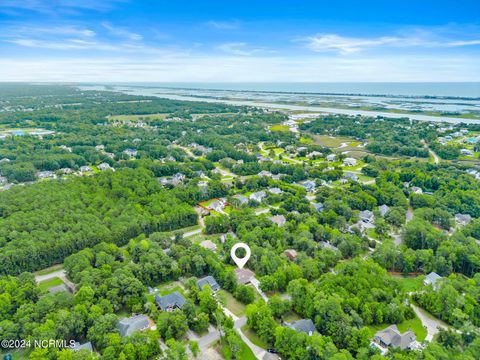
<point>45,285</point>
<point>283,128</point>
<point>253,337</point>
<point>231,303</point>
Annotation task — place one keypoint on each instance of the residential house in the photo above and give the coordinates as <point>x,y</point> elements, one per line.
<point>100,147</point>
<point>170,302</point>
<point>85,168</point>
<point>66,171</point>
<point>416,190</point>
<point>291,254</point>
<point>244,276</point>
<point>314,155</point>
<point>265,173</point>
<point>304,325</point>
<point>217,205</point>
<point>349,162</point>
<point>3,180</point>
<point>105,166</point>
<point>318,206</point>
<point>350,176</point>
<point>432,279</point>
<point>331,157</point>
<point>366,216</point>
<point>208,280</point>
<point>309,185</point>
<point>241,199</point>
<point>462,219</point>
<point>130,152</point>
<point>130,325</point>
<point>327,245</point>
<point>383,209</point>
<point>391,337</point>
<point>209,245</point>
<point>275,191</point>
<point>466,152</point>
<point>258,196</point>
<point>45,174</point>
<point>86,346</point>
<point>279,220</point>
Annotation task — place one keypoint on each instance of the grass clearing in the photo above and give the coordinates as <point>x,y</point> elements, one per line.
<point>231,303</point>
<point>244,352</point>
<point>47,284</point>
<point>281,128</point>
<point>253,337</point>
<point>291,316</point>
<point>410,283</point>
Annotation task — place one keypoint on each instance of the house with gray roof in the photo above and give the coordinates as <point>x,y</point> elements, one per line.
<point>318,206</point>
<point>462,219</point>
<point>258,196</point>
<point>327,245</point>
<point>208,280</point>
<point>304,325</point>
<point>391,337</point>
<point>308,185</point>
<point>170,302</point>
<point>366,216</point>
<point>383,209</point>
<point>86,346</point>
<point>432,279</point>
<point>132,324</point>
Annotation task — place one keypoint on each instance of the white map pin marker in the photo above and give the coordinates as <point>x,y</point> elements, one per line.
<point>240,261</point>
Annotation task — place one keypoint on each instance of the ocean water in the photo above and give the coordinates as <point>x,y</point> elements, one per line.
<point>450,89</point>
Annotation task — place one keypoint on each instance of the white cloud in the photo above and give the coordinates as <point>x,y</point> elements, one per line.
<point>223,25</point>
<point>178,67</point>
<point>348,45</point>
<point>237,48</point>
<point>122,32</point>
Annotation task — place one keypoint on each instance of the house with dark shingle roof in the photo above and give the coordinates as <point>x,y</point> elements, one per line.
<point>170,302</point>
<point>128,326</point>
<point>304,325</point>
<point>208,280</point>
<point>392,337</point>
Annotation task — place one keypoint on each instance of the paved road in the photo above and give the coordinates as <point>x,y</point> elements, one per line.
<point>61,274</point>
<point>431,324</point>
<point>256,285</point>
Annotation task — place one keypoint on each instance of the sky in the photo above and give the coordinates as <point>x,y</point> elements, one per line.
<point>239,41</point>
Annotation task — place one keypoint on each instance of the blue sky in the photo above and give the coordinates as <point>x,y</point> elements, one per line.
<point>188,41</point>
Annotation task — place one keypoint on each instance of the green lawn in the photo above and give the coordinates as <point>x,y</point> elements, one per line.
<point>279,128</point>
<point>231,303</point>
<point>291,316</point>
<point>47,284</point>
<point>167,288</point>
<point>244,354</point>
<point>414,324</point>
<point>253,337</point>
<point>410,283</point>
